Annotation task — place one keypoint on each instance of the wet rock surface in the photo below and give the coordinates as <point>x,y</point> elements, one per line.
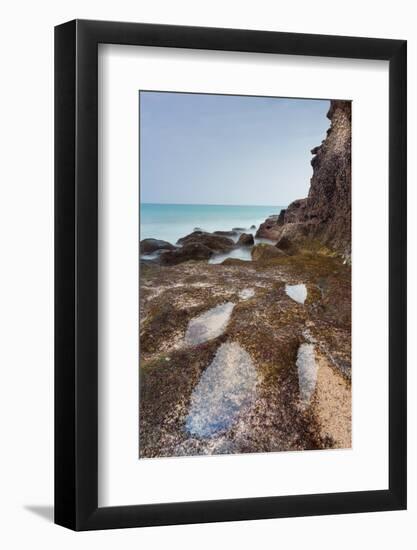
<point>245,239</point>
<point>265,410</point>
<point>148,246</point>
<point>217,243</point>
<point>227,386</point>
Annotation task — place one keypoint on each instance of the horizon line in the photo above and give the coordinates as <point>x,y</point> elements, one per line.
<point>210,204</point>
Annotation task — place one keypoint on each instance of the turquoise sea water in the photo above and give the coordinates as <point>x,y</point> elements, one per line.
<point>170,222</point>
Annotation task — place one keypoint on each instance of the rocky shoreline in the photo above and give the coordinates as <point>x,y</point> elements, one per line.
<point>252,356</point>
<point>267,324</point>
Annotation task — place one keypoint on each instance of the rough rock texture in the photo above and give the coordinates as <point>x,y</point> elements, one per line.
<point>270,327</point>
<point>265,251</point>
<point>325,215</point>
<point>287,245</point>
<point>216,243</point>
<point>246,239</point>
<point>148,246</point>
<point>190,251</point>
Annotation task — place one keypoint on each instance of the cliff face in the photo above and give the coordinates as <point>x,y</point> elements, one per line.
<point>325,214</point>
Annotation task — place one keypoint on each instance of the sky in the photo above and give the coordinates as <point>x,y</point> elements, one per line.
<point>224,149</point>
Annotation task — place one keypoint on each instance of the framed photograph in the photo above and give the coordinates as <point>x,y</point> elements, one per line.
<point>230,252</point>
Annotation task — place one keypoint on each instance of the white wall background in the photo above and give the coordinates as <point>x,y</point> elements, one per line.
<point>26,289</point>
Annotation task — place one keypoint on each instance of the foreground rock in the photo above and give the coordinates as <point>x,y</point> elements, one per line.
<point>179,417</point>
<point>149,246</point>
<point>265,251</point>
<point>191,251</point>
<point>217,243</point>
<point>234,261</point>
<point>246,239</point>
<point>325,215</point>
<point>287,245</point>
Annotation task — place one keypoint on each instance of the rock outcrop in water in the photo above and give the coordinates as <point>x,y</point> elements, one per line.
<point>149,246</point>
<point>217,243</point>
<point>325,215</point>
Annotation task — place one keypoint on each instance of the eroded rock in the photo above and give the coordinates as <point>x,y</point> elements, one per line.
<point>191,251</point>
<point>245,239</point>
<point>263,251</point>
<point>148,246</point>
<point>216,243</point>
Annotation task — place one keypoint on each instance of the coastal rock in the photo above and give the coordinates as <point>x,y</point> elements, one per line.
<point>190,251</point>
<point>234,261</point>
<point>225,233</point>
<point>148,246</point>
<point>325,215</point>
<point>246,239</point>
<point>216,243</point>
<point>239,229</point>
<point>287,245</point>
<point>269,229</point>
<point>265,251</point>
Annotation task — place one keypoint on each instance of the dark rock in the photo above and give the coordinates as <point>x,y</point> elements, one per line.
<point>239,229</point>
<point>225,233</point>
<point>281,217</point>
<point>288,246</point>
<point>190,251</point>
<point>252,227</point>
<point>148,246</point>
<point>246,239</point>
<point>216,243</point>
<point>264,251</point>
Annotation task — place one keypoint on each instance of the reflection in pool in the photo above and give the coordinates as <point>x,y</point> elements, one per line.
<point>297,292</point>
<point>247,293</point>
<point>225,388</point>
<point>209,324</point>
<point>307,372</point>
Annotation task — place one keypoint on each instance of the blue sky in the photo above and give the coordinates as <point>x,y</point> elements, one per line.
<point>214,149</point>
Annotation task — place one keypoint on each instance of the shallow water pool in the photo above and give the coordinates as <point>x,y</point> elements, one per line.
<point>298,293</point>
<point>225,388</point>
<point>307,372</point>
<point>209,324</point>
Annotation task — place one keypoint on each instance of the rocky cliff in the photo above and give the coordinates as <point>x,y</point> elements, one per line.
<point>325,215</point>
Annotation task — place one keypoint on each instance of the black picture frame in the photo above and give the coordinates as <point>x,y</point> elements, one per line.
<point>76,272</point>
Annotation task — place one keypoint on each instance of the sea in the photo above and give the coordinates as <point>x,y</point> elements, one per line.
<point>170,222</point>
